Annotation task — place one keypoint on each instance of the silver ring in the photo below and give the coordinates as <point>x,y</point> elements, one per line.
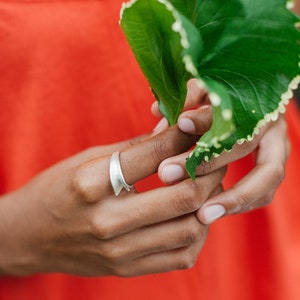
<point>116,176</point>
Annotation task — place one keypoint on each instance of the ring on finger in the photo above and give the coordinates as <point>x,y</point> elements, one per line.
<point>117,179</point>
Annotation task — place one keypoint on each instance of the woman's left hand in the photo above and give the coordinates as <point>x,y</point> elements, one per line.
<point>270,149</point>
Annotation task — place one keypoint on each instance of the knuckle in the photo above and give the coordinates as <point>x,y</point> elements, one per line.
<point>205,121</point>
<point>112,255</point>
<point>192,232</point>
<point>241,198</point>
<point>262,202</point>
<point>278,172</point>
<point>205,168</point>
<point>81,185</point>
<point>186,260</point>
<point>186,198</point>
<point>161,150</point>
<point>102,230</point>
<point>124,272</point>
<point>135,140</point>
<point>212,166</point>
<point>267,199</point>
<point>243,202</point>
<point>191,235</point>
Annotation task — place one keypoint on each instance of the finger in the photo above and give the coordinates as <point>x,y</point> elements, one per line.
<point>255,188</point>
<point>143,159</point>
<point>263,201</point>
<point>177,233</point>
<point>192,121</point>
<point>155,110</point>
<point>173,169</point>
<point>242,196</point>
<point>99,151</point>
<point>91,179</point>
<point>195,95</point>
<point>196,121</point>
<point>112,218</point>
<point>162,125</point>
<point>178,259</point>
<point>218,190</point>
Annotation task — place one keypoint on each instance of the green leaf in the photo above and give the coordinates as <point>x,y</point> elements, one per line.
<point>245,53</point>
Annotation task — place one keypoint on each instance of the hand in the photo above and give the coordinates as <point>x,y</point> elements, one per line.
<point>68,220</point>
<point>270,149</point>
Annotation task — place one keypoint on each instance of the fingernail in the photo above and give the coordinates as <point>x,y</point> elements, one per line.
<point>172,173</point>
<point>205,106</point>
<point>161,125</point>
<point>186,125</point>
<point>213,212</point>
<point>154,104</point>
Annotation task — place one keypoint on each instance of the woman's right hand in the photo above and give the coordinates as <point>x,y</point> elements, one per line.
<point>68,220</point>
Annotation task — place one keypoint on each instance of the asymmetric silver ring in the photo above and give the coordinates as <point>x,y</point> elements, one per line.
<point>116,176</point>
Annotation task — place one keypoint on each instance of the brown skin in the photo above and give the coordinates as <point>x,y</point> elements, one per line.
<point>250,193</point>
<point>254,190</point>
<point>68,220</point>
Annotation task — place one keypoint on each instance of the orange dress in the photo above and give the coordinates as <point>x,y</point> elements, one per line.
<point>68,81</point>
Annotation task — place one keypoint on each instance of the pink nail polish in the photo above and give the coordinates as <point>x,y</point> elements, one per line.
<point>186,125</point>
<point>213,212</point>
<point>172,173</point>
<point>161,125</point>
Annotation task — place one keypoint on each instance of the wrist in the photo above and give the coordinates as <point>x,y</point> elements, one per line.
<point>16,258</point>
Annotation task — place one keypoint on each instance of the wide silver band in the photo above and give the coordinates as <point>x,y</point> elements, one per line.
<point>116,176</point>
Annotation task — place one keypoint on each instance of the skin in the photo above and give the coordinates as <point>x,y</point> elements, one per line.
<point>251,192</point>
<point>68,220</point>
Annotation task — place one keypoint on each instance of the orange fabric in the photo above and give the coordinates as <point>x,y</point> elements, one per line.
<point>68,80</point>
